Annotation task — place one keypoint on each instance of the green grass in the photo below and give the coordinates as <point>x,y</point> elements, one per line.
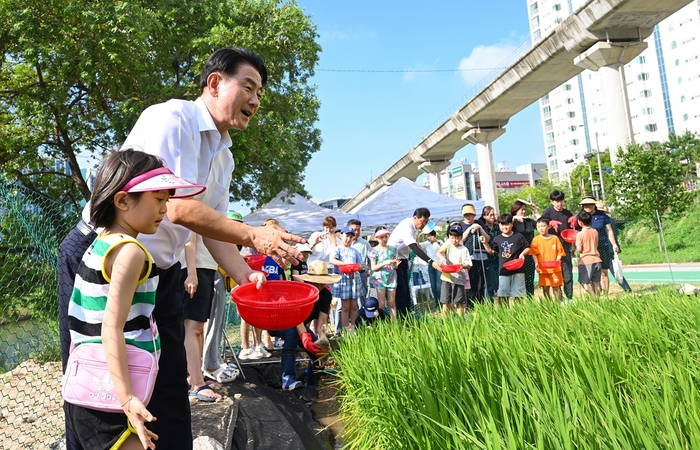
<point>640,242</point>
<point>619,374</point>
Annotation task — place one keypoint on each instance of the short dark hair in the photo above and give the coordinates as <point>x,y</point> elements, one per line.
<point>585,218</point>
<point>432,233</point>
<point>543,220</point>
<point>505,218</point>
<point>117,169</point>
<point>421,212</point>
<point>557,195</point>
<point>229,60</point>
<point>354,222</point>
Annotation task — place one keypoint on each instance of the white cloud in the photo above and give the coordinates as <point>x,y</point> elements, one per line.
<point>482,60</point>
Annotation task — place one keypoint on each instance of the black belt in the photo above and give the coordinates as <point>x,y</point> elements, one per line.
<point>84,228</point>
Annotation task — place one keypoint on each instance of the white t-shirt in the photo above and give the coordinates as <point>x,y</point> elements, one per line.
<point>184,135</point>
<point>322,250</point>
<point>403,235</point>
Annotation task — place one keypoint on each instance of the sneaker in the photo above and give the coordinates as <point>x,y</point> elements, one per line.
<point>279,343</point>
<point>247,353</point>
<point>294,385</point>
<point>262,351</point>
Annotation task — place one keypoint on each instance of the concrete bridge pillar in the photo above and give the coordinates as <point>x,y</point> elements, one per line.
<point>609,59</point>
<point>482,138</point>
<point>433,169</point>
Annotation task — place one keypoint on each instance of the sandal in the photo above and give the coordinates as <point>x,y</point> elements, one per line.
<point>224,374</point>
<point>197,393</point>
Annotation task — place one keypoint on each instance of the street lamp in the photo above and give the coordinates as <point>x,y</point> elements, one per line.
<point>571,189</point>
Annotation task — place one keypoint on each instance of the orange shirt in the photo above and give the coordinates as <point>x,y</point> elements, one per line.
<point>547,249</point>
<point>587,246</point>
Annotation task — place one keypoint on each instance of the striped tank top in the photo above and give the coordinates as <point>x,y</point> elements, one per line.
<point>89,298</point>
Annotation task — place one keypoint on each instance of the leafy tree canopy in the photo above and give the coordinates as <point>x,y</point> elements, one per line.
<point>75,75</point>
<point>655,177</point>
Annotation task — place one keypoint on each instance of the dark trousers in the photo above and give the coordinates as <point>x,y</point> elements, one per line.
<point>476,279</point>
<point>403,290</point>
<point>529,275</point>
<point>567,272</point>
<point>169,403</point>
<point>435,283</point>
<point>70,253</point>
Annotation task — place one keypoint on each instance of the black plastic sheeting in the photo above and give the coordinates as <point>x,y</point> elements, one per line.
<point>258,415</point>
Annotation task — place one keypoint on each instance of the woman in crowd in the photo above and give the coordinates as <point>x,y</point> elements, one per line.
<point>490,225</point>
<point>526,226</point>
<point>323,243</point>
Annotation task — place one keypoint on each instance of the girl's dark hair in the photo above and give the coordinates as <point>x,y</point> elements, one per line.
<point>117,169</point>
<point>516,207</point>
<point>486,211</point>
<point>380,227</point>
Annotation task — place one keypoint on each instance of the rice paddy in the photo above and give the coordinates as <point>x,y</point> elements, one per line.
<point>613,374</point>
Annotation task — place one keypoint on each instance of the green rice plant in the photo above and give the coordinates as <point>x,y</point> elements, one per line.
<point>590,375</point>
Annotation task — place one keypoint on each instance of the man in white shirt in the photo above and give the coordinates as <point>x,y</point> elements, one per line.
<point>404,239</point>
<point>193,140</point>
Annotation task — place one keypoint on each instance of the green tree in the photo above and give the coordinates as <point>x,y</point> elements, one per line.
<point>650,178</point>
<point>537,194</point>
<point>75,75</point>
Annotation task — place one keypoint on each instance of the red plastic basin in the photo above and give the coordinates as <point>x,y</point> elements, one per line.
<point>255,262</point>
<point>569,235</point>
<point>514,264</point>
<point>277,306</point>
<point>450,268</point>
<point>349,268</point>
<point>550,264</point>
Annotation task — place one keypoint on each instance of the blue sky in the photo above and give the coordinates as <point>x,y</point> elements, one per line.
<point>369,120</point>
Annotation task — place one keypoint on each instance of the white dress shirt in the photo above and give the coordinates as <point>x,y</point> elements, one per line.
<point>403,235</point>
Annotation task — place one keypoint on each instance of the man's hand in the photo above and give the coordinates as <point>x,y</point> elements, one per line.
<point>310,346</point>
<point>271,242</point>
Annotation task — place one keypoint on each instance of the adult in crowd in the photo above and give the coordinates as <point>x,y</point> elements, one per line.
<point>197,276</point>
<point>559,219</point>
<point>403,238</point>
<point>600,205</point>
<point>192,137</point>
<point>526,226</point>
<point>488,223</point>
<point>213,366</point>
<point>318,275</point>
<point>476,240</point>
<point>323,243</point>
<point>430,246</point>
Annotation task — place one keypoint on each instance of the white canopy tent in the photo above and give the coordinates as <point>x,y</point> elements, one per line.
<point>401,199</point>
<point>296,214</point>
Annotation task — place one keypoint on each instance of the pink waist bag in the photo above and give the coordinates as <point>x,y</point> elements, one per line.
<point>88,383</point>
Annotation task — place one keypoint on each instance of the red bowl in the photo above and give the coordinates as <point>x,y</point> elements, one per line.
<point>255,262</point>
<point>277,306</point>
<point>514,264</point>
<point>450,268</point>
<point>550,264</point>
<point>569,235</point>
<point>349,268</point>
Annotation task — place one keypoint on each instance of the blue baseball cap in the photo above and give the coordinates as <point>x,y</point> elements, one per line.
<point>371,305</point>
<point>348,230</point>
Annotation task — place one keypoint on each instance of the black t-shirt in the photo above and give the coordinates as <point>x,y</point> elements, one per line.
<point>527,228</point>
<point>510,248</point>
<point>302,268</point>
<point>562,216</point>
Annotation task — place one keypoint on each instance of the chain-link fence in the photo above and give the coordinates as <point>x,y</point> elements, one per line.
<point>31,229</point>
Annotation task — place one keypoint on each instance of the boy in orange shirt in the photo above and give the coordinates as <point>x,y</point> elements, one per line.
<point>546,247</point>
<point>589,262</point>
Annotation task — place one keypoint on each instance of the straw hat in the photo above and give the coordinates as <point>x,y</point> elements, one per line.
<point>602,206</point>
<point>468,209</point>
<point>318,274</point>
<point>587,200</point>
